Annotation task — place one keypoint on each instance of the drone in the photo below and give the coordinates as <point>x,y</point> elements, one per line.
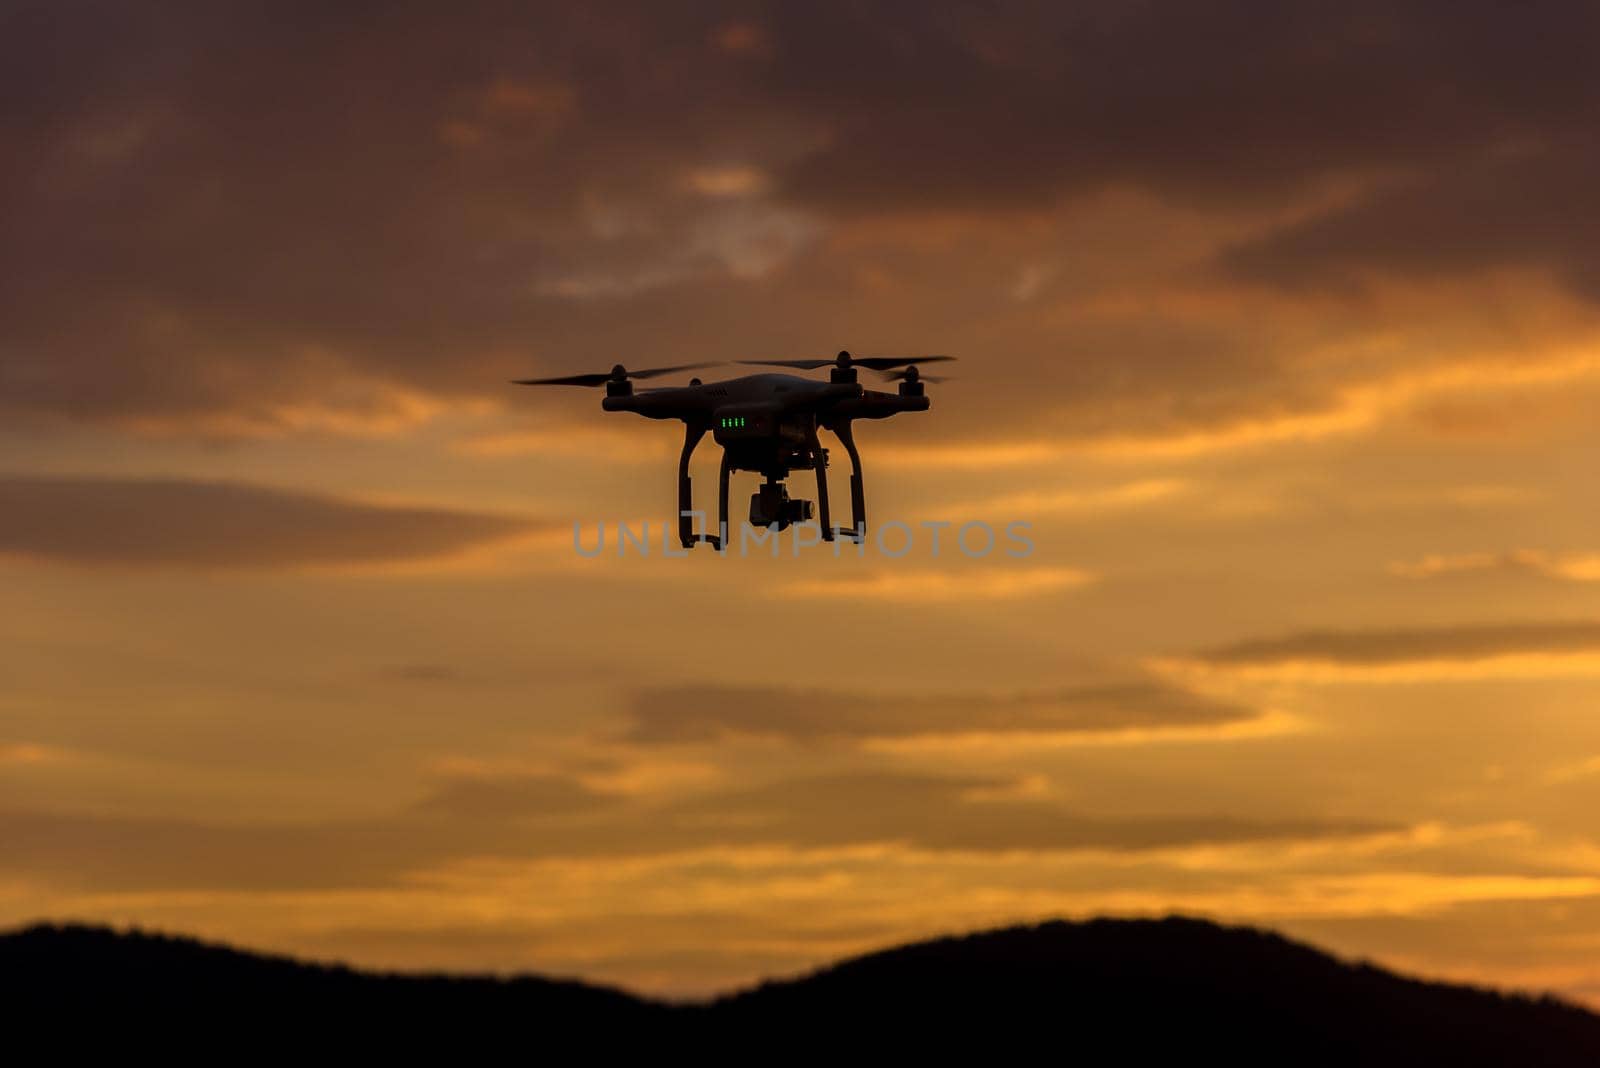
<point>767,423</point>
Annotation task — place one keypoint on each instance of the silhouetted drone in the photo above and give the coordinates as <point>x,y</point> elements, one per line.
<point>767,423</point>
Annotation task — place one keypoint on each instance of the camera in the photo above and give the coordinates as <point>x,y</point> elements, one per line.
<point>771,506</point>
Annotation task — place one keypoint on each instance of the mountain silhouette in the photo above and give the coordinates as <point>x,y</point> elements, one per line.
<point>1125,991</point>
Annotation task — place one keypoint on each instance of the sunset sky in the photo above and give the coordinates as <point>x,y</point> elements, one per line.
<point>1280,323</point>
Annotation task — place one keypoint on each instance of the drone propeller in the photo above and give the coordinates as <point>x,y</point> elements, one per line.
<point>911,374</point>
<point>883,363</point>
<point>616,374</point>
<point>804,365</point>
<point>844,359</point>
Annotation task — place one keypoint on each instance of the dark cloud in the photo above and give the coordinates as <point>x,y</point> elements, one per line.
<point>1483,108</point>
<point>226,206</point>
<point>459,818</point>
<point>1400,645</point>
<point>706,713</point>
<point>116,853</point>
<point>512,797</point>
<point>959,104</point>
<point>223,524</point>
<point>223,211</point>
<point>542,818</point>
<point>1532,208</point>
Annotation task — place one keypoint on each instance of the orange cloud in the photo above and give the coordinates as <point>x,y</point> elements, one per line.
<point>1075,501</point>
<point>1354,409</point>
<point>1481,651</point>
<point>704,713</point>
<point>1571,567</point>
<point>989,584</point>
<point>733,181</point>
<point>32,753</point>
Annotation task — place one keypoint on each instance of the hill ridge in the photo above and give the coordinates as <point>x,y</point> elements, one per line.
<point>1143,989</point>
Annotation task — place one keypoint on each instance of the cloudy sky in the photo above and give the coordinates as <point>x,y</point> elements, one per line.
<point>1279,323</point>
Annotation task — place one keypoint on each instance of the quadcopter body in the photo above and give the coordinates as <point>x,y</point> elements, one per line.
<point>768,423</point>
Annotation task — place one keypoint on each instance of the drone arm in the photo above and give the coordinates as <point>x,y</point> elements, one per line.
<point>667,402</point>
<point>872,404</point>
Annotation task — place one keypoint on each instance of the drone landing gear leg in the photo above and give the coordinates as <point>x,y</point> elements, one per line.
<point>858,496</point>
<point>722,503</point>
<point>821,460</point>
<point>691,437</point>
